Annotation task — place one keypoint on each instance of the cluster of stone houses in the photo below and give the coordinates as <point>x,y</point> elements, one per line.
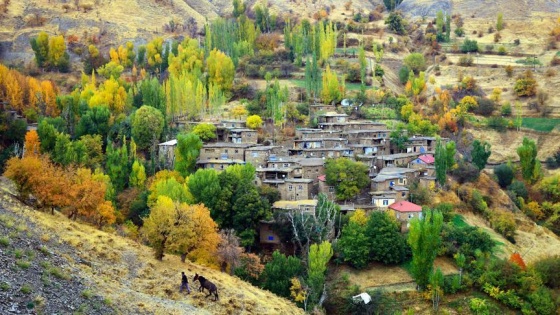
<point>297,170</point>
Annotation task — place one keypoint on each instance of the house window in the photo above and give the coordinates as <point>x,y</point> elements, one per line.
<point>221,167</point>
<point>410,216</point>
<point>401,181</point>
<point>271,238</point>
<point>236,151</point>
<point>286,165</point>
<point>385,202</point>
<point>255,154</point>
<point>225,151</point>
<point>300,187</point>
<point>331,189</point>
<point>290,187</point>
<point>403,194</point>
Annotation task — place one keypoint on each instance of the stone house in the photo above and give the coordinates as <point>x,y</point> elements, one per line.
<point>393,176</point>
<point>166,153</point>
<point>224,151</point>
<point>422,161</point>
<point>218,164</point>
<point>242,135</point>
<point>324,188</point>
<point>307,206</point>
<point>332,117</point>
<point>395,160</point>
<point>258,156</point>
<point>267,235</point>
<point>421,144</point>
<point>404,211</point>
<point>382,199</point>
<point>323,152</point>
<point>311,168</point>
<point>297,189</point>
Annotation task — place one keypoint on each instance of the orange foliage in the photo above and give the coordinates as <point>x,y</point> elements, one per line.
<point>87,193</point>
<point>448,122</point>
<point>32,143</point>
<point>267,41</point>
<point>516,259</point>
<point>252,264</point>
<point>105,214</point>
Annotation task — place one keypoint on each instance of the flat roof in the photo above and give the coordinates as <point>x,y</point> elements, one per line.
<point>311,162</point>
<point>299,180</point>
<point>294,204</point>
<point>262,148</point>
<point>170,142</point>
<point>219,161</point>
<point>228,145</point>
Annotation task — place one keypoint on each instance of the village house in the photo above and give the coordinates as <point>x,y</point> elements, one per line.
<point>332,117</point>
<point>324,188</point>
<point>317,134</point>
<point>382,199</point>
<point>218,164</point>
<point>273,176</point>
<point>311,168</point>
<point>421,144</point>
<point>423,161</point>
<point>393,176</point>
<point>404,211</point>
<point>307,206</point>
<point>267,235</point>
<point>315,108</point>
<point>323,152</point>
<point>166,153</point>
<point>297,189</point>
<point>233,123</point>
<point>395,160</point>
<point>319,143</point>
<point>242,135</point>
<point>224,151</point>
<point>258,156</point>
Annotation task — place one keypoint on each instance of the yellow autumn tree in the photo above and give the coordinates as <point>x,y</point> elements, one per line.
<point>57,49</point>
<point>48,93</point>
<point>239,111</point>
<point>254,121</point>
<point>220,70</point>
<point>32,143</point>
<point>331,91</point>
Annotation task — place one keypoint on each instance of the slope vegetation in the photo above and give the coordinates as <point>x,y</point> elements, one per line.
<point>123,272</point>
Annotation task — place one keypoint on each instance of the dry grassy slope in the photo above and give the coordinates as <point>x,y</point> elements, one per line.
<point>533,242</point>
<point>155,290</point>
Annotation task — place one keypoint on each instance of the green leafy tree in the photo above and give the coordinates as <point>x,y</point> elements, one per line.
<point>147,126</point>
<point>391,4</point>
<point>117,166</point>
<point>138,175</point>
<point>319,256</point>
<point>47,134</point>
<point>169,187</point>
<point>396,22</point>
<point>186,153</point>
<point>469,46</point>
<point>424,239</point>
<point>436,286</point>
<point>278,272</point>
<point>480,153</point>
<point>415,62</point>
<point>441,162</point>
<point>63,150</point>
<point>354,243</point>
<point>40,46</point>
<point>527,153</point>
<point>399,137</point>
<point>348,177</point>
<point>95,121</point>
<point>204,186</point>
<point>248,210</point>
<point>500,22</point>
<point>238,8</point>
<point>205,131</point>
<point>387,244</point>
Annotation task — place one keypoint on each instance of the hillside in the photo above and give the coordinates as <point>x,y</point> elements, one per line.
<point>103,273</point>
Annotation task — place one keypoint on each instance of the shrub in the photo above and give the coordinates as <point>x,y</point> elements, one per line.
<point>416,62</point>
<point>506,110</point>
<point>459,32</point>
<point>25,289</point>
<point>497,123</point>
<point>525,85</point>
<point>504,175</point>
<point>469,46</point>
<point>396,23</point>
<point>509,70</point>
<point>466,172</point>
<point>549,270</point>
<point>503,222</point>
<point>404,72</point>
<point>485,107</point>
<point>519,189</point>
<point>4,241</point>
<point>465,61</point>
<point>502,50</point>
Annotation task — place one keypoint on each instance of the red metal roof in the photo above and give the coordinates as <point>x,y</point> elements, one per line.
<point>405,206</point>
<point>427,158</point>
<point>322,178</point>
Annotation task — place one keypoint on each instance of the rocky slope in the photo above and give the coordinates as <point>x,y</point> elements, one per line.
<point>75,268</point>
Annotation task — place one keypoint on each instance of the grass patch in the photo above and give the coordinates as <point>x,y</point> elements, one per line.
<point>529,61</point>
<point>459,221</point>
<point>23,264</point>
<point>18,253</point>
<point>4,286</point>
<point>25,289</point>
<point>349,86</point>
<point>54,271</point>
<point>88,294</point>
<point>540,124</point>
<point>4,241</point>
<point>45,250</point>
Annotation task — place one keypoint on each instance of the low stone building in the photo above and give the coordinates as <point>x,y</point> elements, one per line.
<point>404,211</point>
<point>382,199</point>
<point>258,156</point>
<point>297,189</point>
<point>166,153</point>
<point>307,206</point>
<point>242,135</point>
<point>311,168</point>
<point>218,164</point>
<point>224,151</point>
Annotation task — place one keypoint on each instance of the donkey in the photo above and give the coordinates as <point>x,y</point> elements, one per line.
<point>205,284</point>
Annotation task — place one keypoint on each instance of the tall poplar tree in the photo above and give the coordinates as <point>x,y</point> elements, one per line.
<point>425,239</point>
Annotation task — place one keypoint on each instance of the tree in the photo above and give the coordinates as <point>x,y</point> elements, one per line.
<point>424,239</point>
<point>117,166</point>
<point>391,4</point>
<point>525,85</point>
<point>159,224</point>
<point>40,46</point>
<point>239,111</point>
<point>314,227</point>
<point>174,189</point>
<point>238,8</point>
<point>32,144</point>
<point>527,158</point>
<point>220,70</point>
<point>57,55</point>
<point>444,160</point>
<point>88,194</point>
<point>504,174</point>
<point>138,175</point>
<point>254,121</point>
<point>95,121</point>
<point>319,257</point>
<point>186,153</point>
<point>399,138</point>
<point>480,153</point>
<point>195,233</point>
<point>354,243</point>
<point>204,186</point>
<point>469,46</point>
<point>205,131</point>
<point>47,135</point>
<point>23,172</point>
<point>387,245</point>
<point>415,62</point>
<point>396,22</point>
<point>500,22</point>
<point>331,91</point>
<point>147,126</point>
<point>229,251</point>
<point>348,177</point>
<point>278,272</point>
<point>436,286</point>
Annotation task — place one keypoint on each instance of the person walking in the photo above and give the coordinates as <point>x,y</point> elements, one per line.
<point>184,283</point>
